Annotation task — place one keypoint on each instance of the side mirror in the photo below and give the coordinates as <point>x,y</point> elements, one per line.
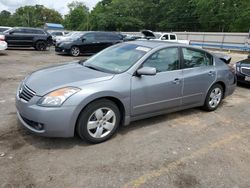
<point>83,39</point>
<point>150,71</point>
<point>11,32</point>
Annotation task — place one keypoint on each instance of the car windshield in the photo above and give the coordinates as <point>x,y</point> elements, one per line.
<point>118,58</point>
<point>8,30</point>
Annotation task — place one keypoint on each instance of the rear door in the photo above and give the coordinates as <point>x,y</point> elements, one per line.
<point>103,41</point>
<point>29,35</point>
<point>198,75</point>
<point>162,91</point>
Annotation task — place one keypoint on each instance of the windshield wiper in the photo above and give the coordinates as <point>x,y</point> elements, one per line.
<point>91,67</point>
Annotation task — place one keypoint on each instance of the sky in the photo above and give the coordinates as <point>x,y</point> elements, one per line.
<point>59,5</point>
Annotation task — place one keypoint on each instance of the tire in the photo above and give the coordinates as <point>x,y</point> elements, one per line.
<point>98,121</point>
<point>41,45</point>
<point>75,51</point>
<point>214,97</point>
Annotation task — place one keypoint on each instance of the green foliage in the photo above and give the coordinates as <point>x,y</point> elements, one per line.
<point>131,15</point>
<point>30,16</point>
<point>78,17</point>
<point>5,18</point>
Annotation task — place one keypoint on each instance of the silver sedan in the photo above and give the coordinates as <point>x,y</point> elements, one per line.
<point>123,83</point>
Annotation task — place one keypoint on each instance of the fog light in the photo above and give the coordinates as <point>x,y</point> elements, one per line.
<point>39,126</point>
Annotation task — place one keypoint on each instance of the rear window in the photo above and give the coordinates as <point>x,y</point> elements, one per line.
<point>39,32</point>
<point>196,58</point>
<point>172,37</point>
<point>107,36</point>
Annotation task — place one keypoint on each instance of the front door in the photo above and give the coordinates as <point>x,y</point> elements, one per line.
<point>198,75</point>
<point>89,44</point>
<point>159,92</point>
<point>19,37</point>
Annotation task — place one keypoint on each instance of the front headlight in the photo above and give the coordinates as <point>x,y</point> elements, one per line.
<point>58,97</point>
<point>236,67</point>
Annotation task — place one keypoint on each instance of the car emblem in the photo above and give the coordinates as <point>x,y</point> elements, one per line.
<point>20,90</point>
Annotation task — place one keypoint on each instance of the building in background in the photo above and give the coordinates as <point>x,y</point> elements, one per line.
<point>53,26</point>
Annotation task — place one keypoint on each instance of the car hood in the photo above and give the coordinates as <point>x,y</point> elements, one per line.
<point>245,62</point>
<point>71,74</point>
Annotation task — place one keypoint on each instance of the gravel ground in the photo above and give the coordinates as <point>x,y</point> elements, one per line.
<point>186,149</point>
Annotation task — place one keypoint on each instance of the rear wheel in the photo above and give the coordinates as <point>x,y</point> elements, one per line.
<point>98,121</point>
<point>75,51</point>
<point>41,45</point>
<point>214,97</point>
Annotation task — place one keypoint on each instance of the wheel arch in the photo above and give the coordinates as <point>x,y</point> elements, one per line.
<point>114,99</point>
<point>223,86</point>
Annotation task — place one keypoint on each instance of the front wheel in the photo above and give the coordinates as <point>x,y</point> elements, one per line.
<point>41,45</point>
<point>214,97</point>
<point>75,51</point>
<point>98,121</point>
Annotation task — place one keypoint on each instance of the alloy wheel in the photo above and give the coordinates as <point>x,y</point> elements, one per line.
<point>75,51</point>
<point>215,97</point>
<point>101,122</point>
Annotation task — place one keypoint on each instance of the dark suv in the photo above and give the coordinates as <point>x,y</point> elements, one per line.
<point>242,69</point>
<point>88,42</point>
<point>28,37</point>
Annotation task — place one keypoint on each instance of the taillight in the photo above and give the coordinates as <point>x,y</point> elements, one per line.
<point>2,37</point>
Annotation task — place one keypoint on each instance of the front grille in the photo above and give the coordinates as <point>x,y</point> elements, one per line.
<point>245,70</point>
<point>26,93</point>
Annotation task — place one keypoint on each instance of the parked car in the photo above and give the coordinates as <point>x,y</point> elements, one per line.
<point>242,69</point>
<point>167,37</point>
<point>3,44</point>
<point>4,28</point>
<point>131,37</point>
<point>28,37</point>
<point>123,83</point>
<point>88,43</point>
<point>58,34</point>
<point>68,36</point>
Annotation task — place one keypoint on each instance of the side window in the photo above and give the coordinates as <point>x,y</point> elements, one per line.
<point>165,37</point>
<point>195,58</point>
<point>210,59</point>
<point>101,37</point>
<point>17,31</point>
<point>113,36</point>
<point>89,37</point>
<point>28,31</point>
<point>164,60</point>
<point>172,37</point>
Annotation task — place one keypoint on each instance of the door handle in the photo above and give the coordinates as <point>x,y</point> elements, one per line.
<point>211,73</point>
<point>176,81</point>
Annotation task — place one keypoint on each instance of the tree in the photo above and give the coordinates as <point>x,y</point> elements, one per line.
<point>5,18</point>
<point>35,16</point>
<point>116,15</point>
<point>78,17</point>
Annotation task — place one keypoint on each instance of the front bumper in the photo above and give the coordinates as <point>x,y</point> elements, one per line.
<point>53,122</point>
<point>61,50</point>
<point>241,78</point>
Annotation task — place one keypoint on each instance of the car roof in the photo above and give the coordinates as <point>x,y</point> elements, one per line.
<point>5,27</point>
<point>28,28</point>
<point>155,44</point>
<point>104,32</point>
